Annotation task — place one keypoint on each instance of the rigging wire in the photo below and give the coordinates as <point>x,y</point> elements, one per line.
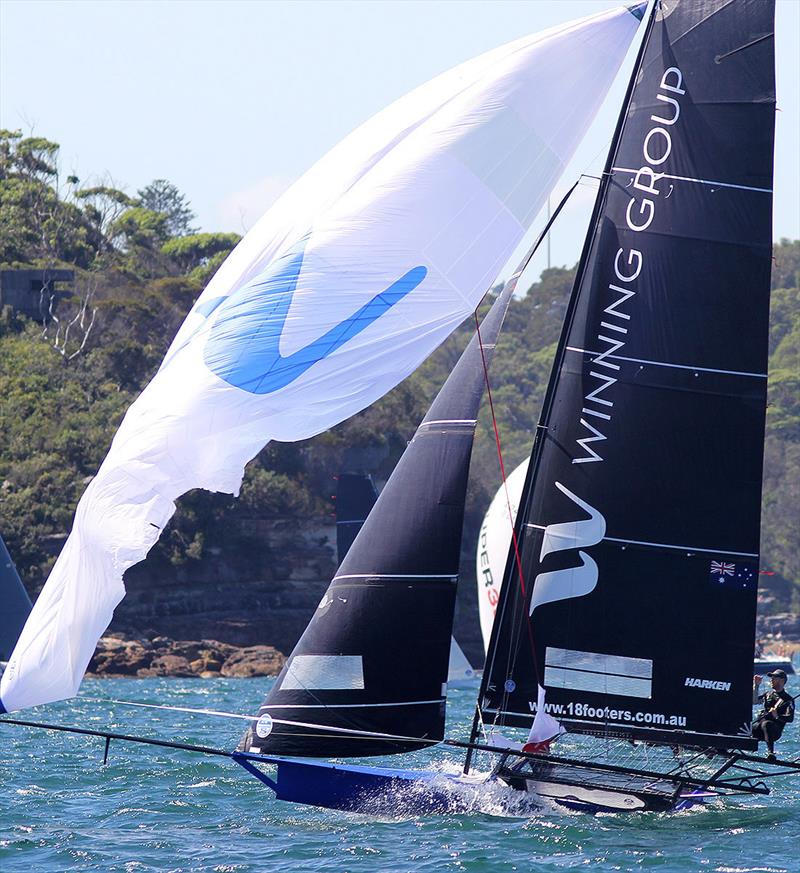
<point>478,719</point>
<point>515,278</point>
<point>517,558</point>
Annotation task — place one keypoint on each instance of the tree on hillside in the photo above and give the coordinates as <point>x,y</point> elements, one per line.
<point>164,197</point>
<point>41,219</point>
<point>200,254</point>
<point>103,205</point>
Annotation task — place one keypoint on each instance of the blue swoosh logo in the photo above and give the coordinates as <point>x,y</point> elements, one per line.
<point>243,343</point>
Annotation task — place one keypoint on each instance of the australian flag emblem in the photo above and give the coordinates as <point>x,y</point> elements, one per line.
<point>741,576</point>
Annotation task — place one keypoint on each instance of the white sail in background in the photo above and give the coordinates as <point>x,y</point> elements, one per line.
<point>494,542</point>
<point>341,290</point>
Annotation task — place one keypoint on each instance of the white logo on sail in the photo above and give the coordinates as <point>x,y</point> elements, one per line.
<point>573,581</point>
<point>264,726</point>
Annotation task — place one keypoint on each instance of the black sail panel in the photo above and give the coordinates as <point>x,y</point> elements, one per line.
<point>355,497</point>
<point>16,604</point>
<point>639,528</point>
<point>374,658</point>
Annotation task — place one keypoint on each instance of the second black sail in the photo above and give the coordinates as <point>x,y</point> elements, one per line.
<point>369,674</point>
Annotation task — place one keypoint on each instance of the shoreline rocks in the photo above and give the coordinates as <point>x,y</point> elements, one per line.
<point>118,655</point>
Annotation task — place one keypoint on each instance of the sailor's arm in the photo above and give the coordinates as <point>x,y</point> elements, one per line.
<point>756,688</point>
<point>784,710</point>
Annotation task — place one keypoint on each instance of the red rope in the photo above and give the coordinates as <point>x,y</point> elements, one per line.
<point>517,558</point>
<point>500,457</point>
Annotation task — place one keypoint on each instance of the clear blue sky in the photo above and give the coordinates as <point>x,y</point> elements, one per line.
<point>232,101</point>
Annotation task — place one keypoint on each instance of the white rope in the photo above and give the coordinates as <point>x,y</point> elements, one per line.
<point>214,712</point>
<point>356,734</point>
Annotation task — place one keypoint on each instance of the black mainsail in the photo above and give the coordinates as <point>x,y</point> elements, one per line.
<point>373,661</point>
<point>639,524</point>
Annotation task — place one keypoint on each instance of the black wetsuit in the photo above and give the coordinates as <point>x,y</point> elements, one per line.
<point>778,711</point>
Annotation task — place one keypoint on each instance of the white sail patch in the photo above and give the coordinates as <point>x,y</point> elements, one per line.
<point>572,581</point>
<point>598,673</point>
<point>324,673</point>
<point>493,544</point>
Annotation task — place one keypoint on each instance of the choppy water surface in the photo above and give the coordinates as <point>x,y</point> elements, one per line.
<point>152,809</point>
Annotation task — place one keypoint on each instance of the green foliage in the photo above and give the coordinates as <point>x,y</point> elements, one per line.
<point>203,272</point>
<point>198,249</point>
<point>98,227</point>
<point>38,224</point>
<point>104,193</point>
<point>781,494</point>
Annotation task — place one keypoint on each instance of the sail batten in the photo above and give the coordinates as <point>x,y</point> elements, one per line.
<point>654,416</point>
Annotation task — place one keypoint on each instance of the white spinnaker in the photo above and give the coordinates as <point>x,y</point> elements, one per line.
<point>494,542</point>
<point>349,281</point>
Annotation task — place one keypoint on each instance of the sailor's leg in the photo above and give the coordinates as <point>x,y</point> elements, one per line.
<point>758,730</point>
<point>772,733</point>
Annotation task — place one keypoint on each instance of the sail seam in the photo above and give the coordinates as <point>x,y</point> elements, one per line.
<point>675,366</point>
<point>397,576</point>
<point>713,182</point>
<point>687,548</point>
<point>629,542</point>
<point>351,705</point>
<point>449,421</point>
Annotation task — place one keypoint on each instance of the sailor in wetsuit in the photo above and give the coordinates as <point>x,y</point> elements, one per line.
<point>777,712</point>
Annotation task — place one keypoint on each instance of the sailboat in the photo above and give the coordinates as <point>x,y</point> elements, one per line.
<point>642,491</point>
<point>355,496</point>
<point>638,498</point>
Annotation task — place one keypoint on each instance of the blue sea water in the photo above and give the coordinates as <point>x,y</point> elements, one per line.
<point>152,809</point>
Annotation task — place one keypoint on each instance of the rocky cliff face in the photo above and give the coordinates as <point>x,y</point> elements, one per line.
<point>117,655</point>
<point>263,602</point>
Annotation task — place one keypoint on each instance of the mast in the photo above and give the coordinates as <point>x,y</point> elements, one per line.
<point>373,661</point>
<point>639,522</point>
